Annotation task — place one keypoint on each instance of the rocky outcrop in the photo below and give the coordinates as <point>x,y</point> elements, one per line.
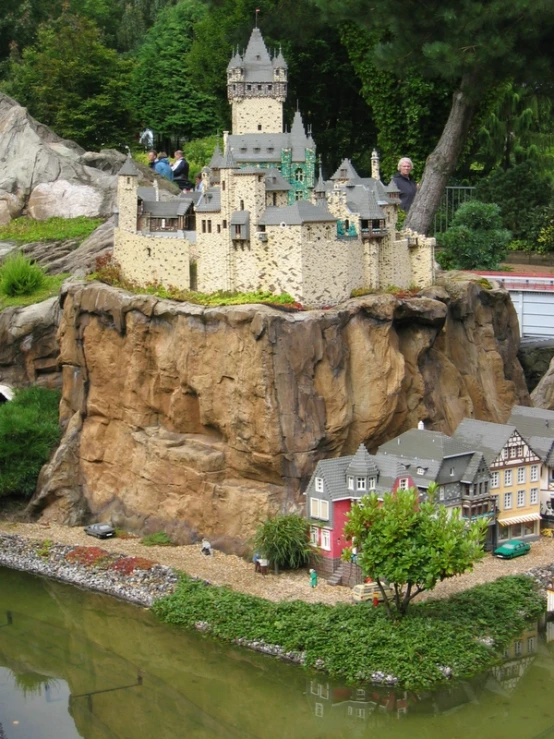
<point>543,395</point>
<point>205,420</point>
<point>28,345</point>
<point>43,175</point>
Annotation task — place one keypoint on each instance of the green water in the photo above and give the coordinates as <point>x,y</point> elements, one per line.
<point>76,664</point>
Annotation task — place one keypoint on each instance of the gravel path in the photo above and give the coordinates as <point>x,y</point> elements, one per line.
<point>224,569</point>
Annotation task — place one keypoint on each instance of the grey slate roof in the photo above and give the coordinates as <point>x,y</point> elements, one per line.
<point>217,158</point>
<point>420,444</point>
<point>267,147</point>
<point>274,181</point>
<point>279,61</point>
<point>320,184</point>
<point>210,202</point>
<point>227,160</point>
<point>298,139</point>
<point>146,193</point>
<point>257,63</point>
<point>129,169</point>
<point>240,217</point>
<point>392,187</point>
<point>168,208</point>
<point>484,436</point>
<point>346,171</point>
<point>533,421</point>
<point>362,464</point>
<point>363,201</point>
<point>296,214</point>
<point>249,170</point>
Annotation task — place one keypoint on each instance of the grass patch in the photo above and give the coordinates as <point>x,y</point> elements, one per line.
<point>159,539</point>
<point>355,641</point>
<point>108,271</point>
<point>27,230</point>
<point>51,287</point>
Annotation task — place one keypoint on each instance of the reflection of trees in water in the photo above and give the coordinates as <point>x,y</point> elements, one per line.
<point>32,683</point>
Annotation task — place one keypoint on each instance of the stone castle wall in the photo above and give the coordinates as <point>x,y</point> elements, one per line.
<point>250,113</point>
<point>153,259</point>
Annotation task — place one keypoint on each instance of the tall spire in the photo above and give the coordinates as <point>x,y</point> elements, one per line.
<point>375,168</point>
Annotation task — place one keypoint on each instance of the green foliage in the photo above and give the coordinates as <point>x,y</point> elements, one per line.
<point>410,544</point>
<point>521,192</point>
<point>167,96</point>
<point>71,81</point>
<point>159,539</point>
<point>44,548</point>
<point>19,276</point>
<point>476,239</point>
<point>354,641</point>
<point>51,287</point>
<point>284,541</point>
<point>26,230</point>
<point>29,432</point>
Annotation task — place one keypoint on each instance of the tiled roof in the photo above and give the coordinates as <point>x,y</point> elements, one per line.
<point>168,208</point>
<point>533,421</point>
<point>210,202</point>
<point>217,158</point>
<point>129,169</point>
<point>484,436</point>
<point>257,63</point>
<point>146,193</point>
<point>345,171</point>
<point>267,147</point>
<point>362,201</point>
<point>274,181</point>
<point>240,217</point>
<point>296,214</point>
<point>362,463</point>
<point>422,444</point>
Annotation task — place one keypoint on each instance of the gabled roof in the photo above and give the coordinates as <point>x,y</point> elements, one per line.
<point>146,193</point>
<point>129,169</point>
<point>274,181</point>
<point>345,171</point>
<point>418,444</point>
<point>484,436</point>
<point>533,421</point>
<point>267,147</point>
<point>167,208</point>
<point>363,201</point>
<point>210,202</point>
<point>296,214</point>
<point>227,160</point>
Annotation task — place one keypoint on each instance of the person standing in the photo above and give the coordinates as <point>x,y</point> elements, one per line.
<point>180,169</point>
<point>313,578</point>
<point>163,167</point>
<point>405,184</point>
<point>152,158</point>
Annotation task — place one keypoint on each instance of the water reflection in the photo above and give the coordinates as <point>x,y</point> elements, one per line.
<point>77,664</point>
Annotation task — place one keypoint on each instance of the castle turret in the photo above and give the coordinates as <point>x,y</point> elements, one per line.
<point>257,88</point>
<point>375,166</point>
<point>127,184</point>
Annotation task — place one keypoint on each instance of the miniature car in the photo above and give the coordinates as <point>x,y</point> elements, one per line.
<point>511,549</point>
<point>100,530</point>
<point>370,590</point>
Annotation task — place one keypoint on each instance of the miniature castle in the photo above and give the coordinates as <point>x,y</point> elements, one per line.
<point>262,222</point>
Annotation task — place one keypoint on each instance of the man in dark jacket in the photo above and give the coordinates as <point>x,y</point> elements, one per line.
<point>405,184</point>
<point>180,169</point>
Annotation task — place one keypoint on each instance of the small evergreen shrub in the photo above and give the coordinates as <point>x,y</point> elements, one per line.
<point>476,239</point>
<point>284,541</point>
<point>159,539</point>
<point>20,276</point>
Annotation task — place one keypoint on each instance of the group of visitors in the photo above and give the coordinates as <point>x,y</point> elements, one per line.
<point>177,172</point>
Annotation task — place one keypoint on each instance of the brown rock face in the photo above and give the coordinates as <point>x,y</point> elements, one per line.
<point>204,421</point>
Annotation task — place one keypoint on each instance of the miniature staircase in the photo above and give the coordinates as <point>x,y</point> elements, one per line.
<point>336,577</point>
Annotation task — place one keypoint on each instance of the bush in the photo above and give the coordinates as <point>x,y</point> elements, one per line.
<point>283,540</point>
<point>29,431</point>
<point>476,239</point>
<point>19,276</point>
<point>159,539</point>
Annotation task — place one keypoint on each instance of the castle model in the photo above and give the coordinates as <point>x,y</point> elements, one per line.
<point>262,222</point>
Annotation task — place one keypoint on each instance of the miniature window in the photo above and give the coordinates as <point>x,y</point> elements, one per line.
<point>403,484</point>
<point>274,198</point>
<point>351,483</point>
<point>452,472</point>
<point>299,175</point>
<point>533,496</point>
<point>518,647</point>
<point>241,205</point>
<point>203,227</point>
<point>507,501</point>
<point>209,227</point>
<point>270,87</point>
<point>319,484</point>
<point>520,498</point>
<point>326,539</point>
<point>508,477</point>
<point>256,149</point>
<point>372,483</point>
<point>314,536</point>
<point>223,184</point>
<point>420,471</point>
<point>534,472</point>
<point>319,710</point>
<point>259,87</point>
<point>248,87</point>
<point>218,228</point>
<point>319,508</point>
<point>361,483</point>
<point>259,126</point>
<point>224,223</point>
<point>531,644</point>
<point>495,480</point>
<point>520,475</point>
<point>513,452</point>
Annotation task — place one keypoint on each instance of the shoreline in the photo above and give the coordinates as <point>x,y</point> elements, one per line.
<point>143,583</point>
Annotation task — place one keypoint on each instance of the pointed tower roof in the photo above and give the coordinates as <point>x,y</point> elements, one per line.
<point>227,160</point>
<point>362,463</point>
<point>258,66</point>
<point>217,158</point>
<point>320,184</point>
<point>298,140</point>
<point>279,61</point>
<point>345,171</point>
<point>235,62</point>
<point>129,169</point>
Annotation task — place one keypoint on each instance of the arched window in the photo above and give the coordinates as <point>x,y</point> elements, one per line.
<point>299,175</point>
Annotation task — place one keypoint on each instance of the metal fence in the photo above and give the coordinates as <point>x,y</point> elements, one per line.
<point>453,197</point>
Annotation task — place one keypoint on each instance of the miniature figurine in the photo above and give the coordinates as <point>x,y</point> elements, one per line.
<point>313,578</point>
<point>256,560</point>
<point>375,601</point>
<point>206,547</point>
<point>263,565</point>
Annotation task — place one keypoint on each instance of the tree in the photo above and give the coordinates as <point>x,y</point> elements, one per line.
<point>283,540</point>
<point>162,89</point>
<point>471,45</point>
<point>411,544</point>
<point>29,432</point>
<point>475,240</point>
<point>73,83</point>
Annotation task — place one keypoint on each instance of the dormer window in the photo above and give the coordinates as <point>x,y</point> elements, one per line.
<point>361,483</point>
<point>351,483</point>
<point>452,472</point>
<point>319,484</point>
<point>420,471</point>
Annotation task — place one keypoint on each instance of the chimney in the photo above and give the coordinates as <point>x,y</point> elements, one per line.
<point>156,191</point>
<point>225,139</point>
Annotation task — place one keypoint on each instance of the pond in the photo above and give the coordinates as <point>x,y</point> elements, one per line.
<point>78,664</point>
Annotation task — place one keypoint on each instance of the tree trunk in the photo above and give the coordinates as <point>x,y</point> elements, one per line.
<point>441,163</point>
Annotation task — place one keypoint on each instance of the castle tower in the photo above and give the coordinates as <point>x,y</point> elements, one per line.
<point>127,184</point>
<point>375,168</point>
<point>257,88</point>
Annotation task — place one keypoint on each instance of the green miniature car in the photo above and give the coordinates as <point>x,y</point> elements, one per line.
<point>511,549</point>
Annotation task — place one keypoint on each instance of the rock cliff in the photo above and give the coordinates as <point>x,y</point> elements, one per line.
<point>204,420</point>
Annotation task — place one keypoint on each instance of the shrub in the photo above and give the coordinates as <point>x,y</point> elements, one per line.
<point>159,539</point>
<point>284,541</point>
<point>476,239</point>
<point>19,276</point>
<point>127,565</point>
<point>27,230</point>
<point>29,431</point>
<point>87,556</point>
